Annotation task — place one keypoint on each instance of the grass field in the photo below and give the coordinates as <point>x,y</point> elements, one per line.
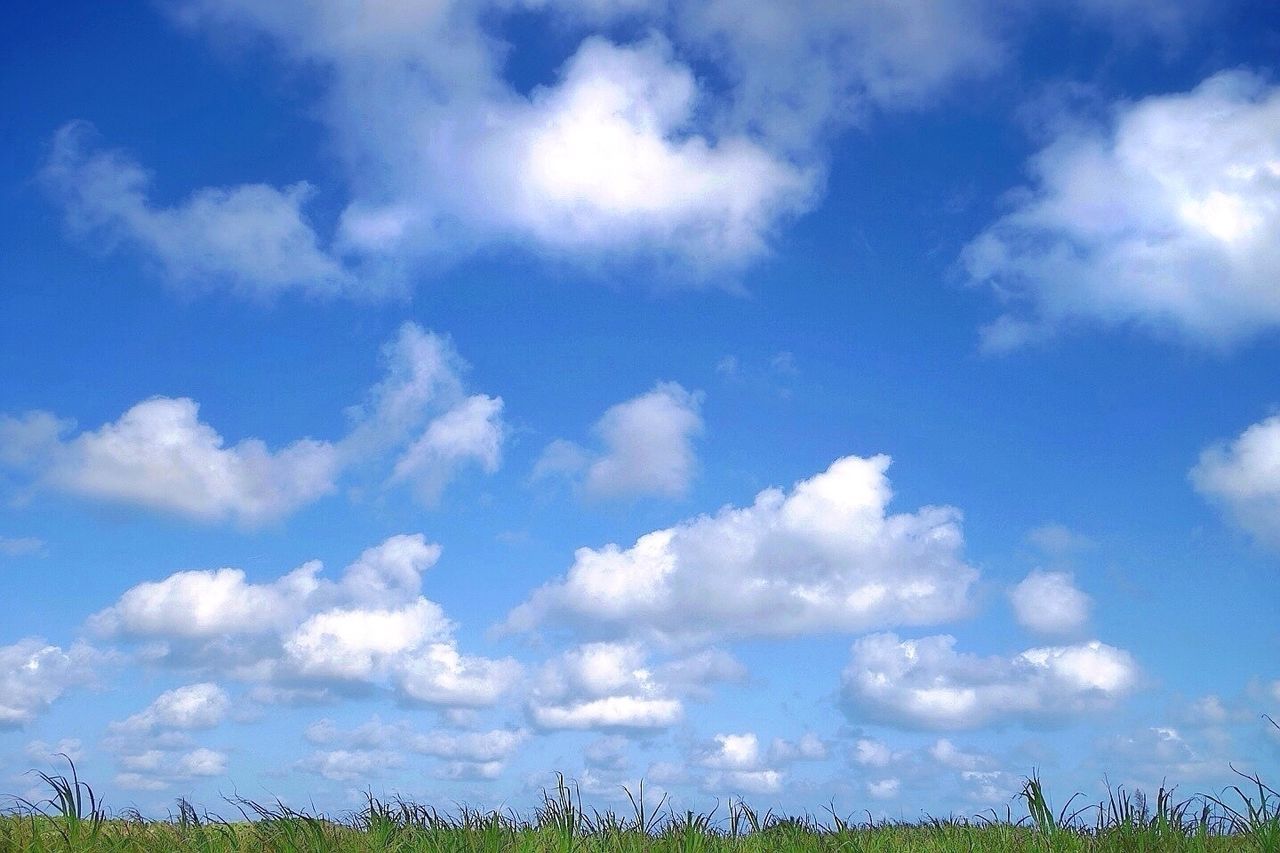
<point>1246,817</point>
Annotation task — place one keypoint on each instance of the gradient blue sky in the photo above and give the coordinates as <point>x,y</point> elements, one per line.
<point>575,338</point>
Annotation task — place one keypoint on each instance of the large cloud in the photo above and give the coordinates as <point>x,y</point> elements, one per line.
<point>371,628</point>
<point>926,683</point>
<point>1167,217</point>
<point>1244,476</point>
<point>625,152</point>
<point>825,557</point>
<point>161,456</point>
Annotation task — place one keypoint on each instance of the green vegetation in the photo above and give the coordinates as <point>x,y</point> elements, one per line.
<point>1246,818</point>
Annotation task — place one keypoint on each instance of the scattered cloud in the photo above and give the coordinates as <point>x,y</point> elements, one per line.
<point>926,684</point>
<point>1243,476</point>
<point>253,238</point>
<point>648,447</point>
<point>824,557</point>
<point>1165,218</point>
<point>161,456</point>
<point>1050,603</point>
<point>372,627</point>
<point>195,706</point>
<point>35,674</point>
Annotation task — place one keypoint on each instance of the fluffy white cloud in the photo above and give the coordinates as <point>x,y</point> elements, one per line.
<point>471,431</point>
<point>1167,217</point>
<point>160,455</point>
<point>302,632</point>
<point>825,557</point>
<point>869,752</point>
<point>201,762</point>
<point>602,686</point>
<point>1244,477</point>
<point>1050,602</point>
<point>194,706</point>
<point>34,674</point>
<point>441,675</point>
<point>648,443</point>
<point>253,237</point>
<point>626,151</point>
<point>925,683</point>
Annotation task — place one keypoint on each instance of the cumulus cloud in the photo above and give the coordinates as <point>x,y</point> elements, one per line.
<point>254,238</point>
<point>194,706</point>
<point>160,455</point>
<point>648,443</point>
<point>927,684</point>
<point>1243,476</point>
<point>1166,217</point>
<point>824,557</point>
<point>1050,603</point>
<point>35,674</point>
<point>371,627</point>
<point>603,686</point>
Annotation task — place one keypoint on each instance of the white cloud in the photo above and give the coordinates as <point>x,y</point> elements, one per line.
<point>350,765</point>
<point>194,706</point>
<point>34,674</point>
<point>441,675</point>
<point>825,557</point>
<point>602,686</point>
<point>809,747</point>
<point>1244,477</point>
<point>300,634</point>
<point>648,443</point>
<point>746,781</point>
<point>253,237</point>
<point>872,753</point>
<point>200,762</point>
<point>471,431</point>
<point>949,755</point>
<point>1050,603</point>
<point>926,684</point>
<point>1167,217</point>
<point>161,456</point>
<point>734,752</point>
<point>884,789</point>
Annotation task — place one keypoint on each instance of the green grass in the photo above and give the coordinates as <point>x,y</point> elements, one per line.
<point>1245,817</point>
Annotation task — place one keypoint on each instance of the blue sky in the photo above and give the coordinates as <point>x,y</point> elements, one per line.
<point>866,403</point>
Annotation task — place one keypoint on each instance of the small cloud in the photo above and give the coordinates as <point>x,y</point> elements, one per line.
<point>24,546</point>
